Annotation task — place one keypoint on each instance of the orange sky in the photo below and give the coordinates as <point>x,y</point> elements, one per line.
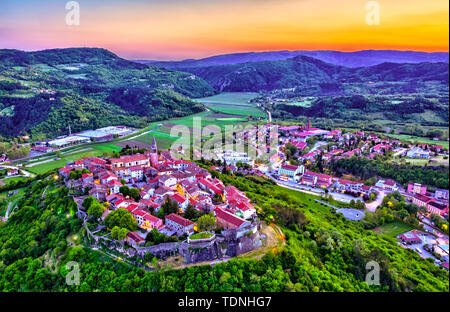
<point>175,29</point>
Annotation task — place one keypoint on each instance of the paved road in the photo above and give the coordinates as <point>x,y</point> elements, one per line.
<point>377,202</point>
<point>351,214</point>
<point>7,212</point>
<point>399,152</point>
<point>24,173</point>
<point>317,145</point>
<point>141,134</point>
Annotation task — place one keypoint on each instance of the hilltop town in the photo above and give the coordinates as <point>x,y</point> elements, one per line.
<point>161,181</point>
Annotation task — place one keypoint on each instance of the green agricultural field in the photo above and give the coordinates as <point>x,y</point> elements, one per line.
<point>416,139</point>
<point>305,103</point>
<point>205,120</point>
<point>393,229</point>
<point>163,140</point>
<point>162,133</point>
<point>233,103</point>
<point>232,109</point>
<point>43,67</point>
<point>231,119</point>
<point>235,98</point>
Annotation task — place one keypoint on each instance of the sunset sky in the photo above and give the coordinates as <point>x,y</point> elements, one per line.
<point>180,29</point>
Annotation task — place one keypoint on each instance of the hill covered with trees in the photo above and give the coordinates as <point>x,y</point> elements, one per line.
<point>317,77</point>
<point>42,92</point>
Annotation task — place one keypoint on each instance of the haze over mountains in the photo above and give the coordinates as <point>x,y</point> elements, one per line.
<point>349,59</point>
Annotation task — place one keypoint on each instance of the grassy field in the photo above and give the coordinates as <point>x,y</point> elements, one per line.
<point>422,162</point>
<point>233,103</point>
<point>231,119</point>
<point>163,136</point>
<point>241,110</point>
<point>306,103</point>
<point>5,199</point>
<point>416,139</point>
<point>235,98</point>
<point>201,235</point>
<point>393,229</point>
<point>13,179</point>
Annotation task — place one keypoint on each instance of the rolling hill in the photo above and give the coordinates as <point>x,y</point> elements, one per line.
<point>315,75</point>
<point>42,92</point>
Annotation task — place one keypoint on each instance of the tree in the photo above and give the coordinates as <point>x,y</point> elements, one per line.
<point>119,233</point>
<point>121,218</point>
<point>124,190</point>
<point>217,198</point>
<point>206,222</point>
<point>135,194</point>
<point>87,202</point>
<point>169,206</point>
<point>95,210</point>
<point>190,212</point>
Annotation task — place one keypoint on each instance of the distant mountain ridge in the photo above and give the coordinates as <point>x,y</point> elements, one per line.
<point>349,59</point>
<point>318,77</point>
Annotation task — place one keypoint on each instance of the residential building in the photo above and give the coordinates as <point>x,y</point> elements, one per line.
<point>290,172</point>
<point>179,224</point>
<point>389,185</point>
<point>417,152</point>
<point>416,188</point>
<point>228,220</point>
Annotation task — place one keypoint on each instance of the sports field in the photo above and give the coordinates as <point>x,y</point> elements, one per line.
<point>393,229</point>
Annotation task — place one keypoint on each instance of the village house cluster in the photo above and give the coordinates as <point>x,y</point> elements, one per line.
<point>160,177</point>
<point>343,145</point>
<point>346,145</point>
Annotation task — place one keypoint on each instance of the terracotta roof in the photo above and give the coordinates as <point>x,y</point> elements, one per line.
<point>179,220</point>
<point>180,199</point>
<point>228,217</point>
<point>135,237</point>
<point>129,158</point>
<point>422,198</point>
<point>289,167</point>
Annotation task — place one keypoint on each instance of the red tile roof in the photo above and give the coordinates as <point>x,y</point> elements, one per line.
<point>228,217</point>
<point>179,220</point>
<point>180,199</point>
<point>289,167</point>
